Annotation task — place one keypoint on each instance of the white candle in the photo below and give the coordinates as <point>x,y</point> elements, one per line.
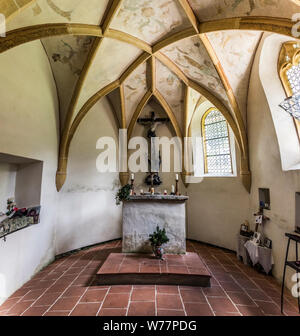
<point>177,178</point>
<point>132,176</point>
<point>142,191</point>
<point>173,189</point>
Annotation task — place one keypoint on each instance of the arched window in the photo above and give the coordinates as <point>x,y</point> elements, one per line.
<point>216,144</point>
<point>289,71</point>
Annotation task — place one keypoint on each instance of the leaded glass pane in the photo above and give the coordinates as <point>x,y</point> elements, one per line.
<point>293,75</point>
<point>218,156</point>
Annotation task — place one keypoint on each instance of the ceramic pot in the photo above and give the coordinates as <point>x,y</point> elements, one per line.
<point>159,252</point>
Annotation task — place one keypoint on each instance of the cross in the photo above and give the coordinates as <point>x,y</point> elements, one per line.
<point>153,122</point>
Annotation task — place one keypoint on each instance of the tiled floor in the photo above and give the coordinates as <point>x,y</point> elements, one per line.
<point>66,288</point>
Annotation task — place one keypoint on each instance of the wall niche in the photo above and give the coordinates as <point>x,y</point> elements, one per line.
<point>20,178</point>
<point>264,198</point>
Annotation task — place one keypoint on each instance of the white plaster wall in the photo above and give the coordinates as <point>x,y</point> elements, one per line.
<point>216,209</point>
<point>284,125</point>
<point>217,205</point>
<point>265,161</point>
<point>87,210</point>
<point>7,183</point>
<point>28,128</point>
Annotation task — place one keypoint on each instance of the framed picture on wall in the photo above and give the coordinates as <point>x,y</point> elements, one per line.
<point>268,243</point>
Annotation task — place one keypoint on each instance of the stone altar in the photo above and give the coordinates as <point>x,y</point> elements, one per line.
<point>143,213</point>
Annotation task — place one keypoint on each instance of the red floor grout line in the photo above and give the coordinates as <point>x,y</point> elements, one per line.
<point>183,305</point>
<point>129,300</point>
<point>155,299</point>
<point>86,259</point>
<point>101,305</point>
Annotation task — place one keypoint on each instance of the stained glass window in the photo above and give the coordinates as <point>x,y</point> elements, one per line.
<point>218,160</point>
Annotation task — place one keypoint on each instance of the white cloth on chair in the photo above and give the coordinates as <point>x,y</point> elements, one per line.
<point>261,255</point>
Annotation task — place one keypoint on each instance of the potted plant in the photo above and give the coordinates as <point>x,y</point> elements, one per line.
<point>157,239</point>
<point>123,194</point>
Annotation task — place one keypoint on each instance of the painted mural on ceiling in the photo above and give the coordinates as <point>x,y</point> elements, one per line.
<point>192,58</point>
<point>236,50</point>
<point>218,9</point>
<point>111,60</point>
<point>150,20</point>
<point>172,89</point>
<point>67,55</point>
<point>58,11</point>
<point>135,87</point>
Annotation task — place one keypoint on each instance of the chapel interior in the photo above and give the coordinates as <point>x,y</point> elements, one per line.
<point>225,72</point>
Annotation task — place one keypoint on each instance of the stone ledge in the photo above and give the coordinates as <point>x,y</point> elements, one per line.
<point>164,198</point>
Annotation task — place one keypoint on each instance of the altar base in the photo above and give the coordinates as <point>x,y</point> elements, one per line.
<point>142,269</point>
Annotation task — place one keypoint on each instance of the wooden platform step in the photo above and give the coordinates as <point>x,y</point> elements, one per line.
<point>144,269</point>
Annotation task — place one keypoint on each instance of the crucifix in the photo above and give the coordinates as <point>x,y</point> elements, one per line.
<point>152,124</point>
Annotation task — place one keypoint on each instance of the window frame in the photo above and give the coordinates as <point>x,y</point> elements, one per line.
<point>206,173</point>
<point>284,65</point>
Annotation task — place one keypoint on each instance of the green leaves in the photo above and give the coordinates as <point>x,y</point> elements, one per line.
<point>159,237</point>
<point>123,194</point>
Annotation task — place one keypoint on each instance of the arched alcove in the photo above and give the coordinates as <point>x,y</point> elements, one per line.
<point>287,136</point>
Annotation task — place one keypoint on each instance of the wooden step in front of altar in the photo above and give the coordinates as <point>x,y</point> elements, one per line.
<point>144,269</point>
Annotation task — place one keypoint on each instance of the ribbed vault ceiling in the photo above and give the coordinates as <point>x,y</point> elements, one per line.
<point>86,68</point>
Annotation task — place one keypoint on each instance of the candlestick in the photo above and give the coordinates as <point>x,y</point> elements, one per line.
<point>132,185</point>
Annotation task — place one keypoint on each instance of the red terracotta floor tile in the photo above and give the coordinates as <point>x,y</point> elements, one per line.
<point>86,309</point>
<point>74,291</point>
<point>231,286</point>
<point>57,313</point>
<point>19,308</point>
<point>227,314</point>
<point>64,304</point>
<point>35,311</point>
<point>167,289</point>
<point>257,294</point>
<point>33,295</point>
<point>141,309</point>
<point>195,295</point>
<point>9,303</point>
<point>168,301</point>
<point>94,295</point>
<point>250,311</point>
<point>116,301</point>
<point>198,309</point>
<point>166,312</point>
<point>214,291</point>
<point>113,312</point>
<point>231,278</point>
<point>241,298</point>
<point>269,308</point>
<point>143,295</point>
<point>120,289</point>
<point>47,299</point>
<point>221,305</point>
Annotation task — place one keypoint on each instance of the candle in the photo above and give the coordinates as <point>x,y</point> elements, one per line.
<point>132,176</point>
<point>165,192</point>
<point>142,192</point>
<point>177,178</point>
<point>173,189</point>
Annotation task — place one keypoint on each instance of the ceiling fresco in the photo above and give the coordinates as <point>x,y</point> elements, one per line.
<point>58,11</point>
<point>218,9</point>
<point>150,20</point>
<point>67,56</point>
